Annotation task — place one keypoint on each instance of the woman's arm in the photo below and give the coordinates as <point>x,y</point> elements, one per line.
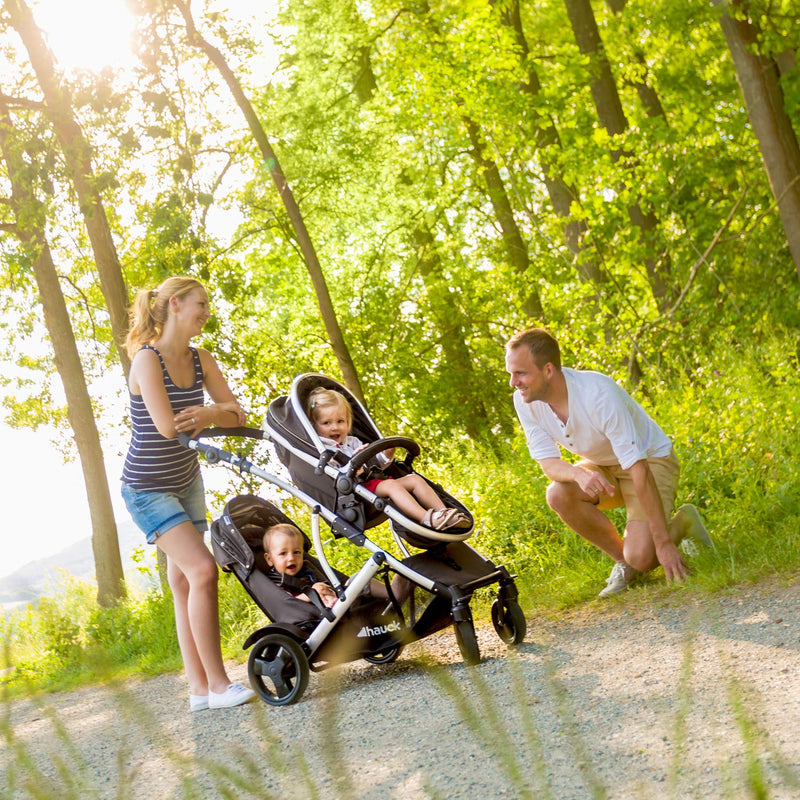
<point>147,380</point>
<point>224,412</point>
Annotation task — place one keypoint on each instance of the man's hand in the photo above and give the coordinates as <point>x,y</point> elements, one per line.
<point>674,566</point>
<point>593,483</point>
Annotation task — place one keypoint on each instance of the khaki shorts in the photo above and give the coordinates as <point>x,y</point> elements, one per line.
<point>666,471</point>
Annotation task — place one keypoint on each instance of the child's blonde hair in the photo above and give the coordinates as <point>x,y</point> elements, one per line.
<point>324,398</point>
<point>284,528</point>
<point>150,310</point>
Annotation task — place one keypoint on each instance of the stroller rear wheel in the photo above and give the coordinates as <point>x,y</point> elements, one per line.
<point>467,642</point>
<point>385,657</point>
<point>509,621</point>
<point>278,669</point>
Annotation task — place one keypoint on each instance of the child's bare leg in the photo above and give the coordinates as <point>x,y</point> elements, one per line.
<point>422,491</point>
<point>400,496</point>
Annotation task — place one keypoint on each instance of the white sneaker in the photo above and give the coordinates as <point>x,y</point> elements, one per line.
<point>198,702</point>
<point>234,695</point>
<point>621,576</point>
<point>693,525</point>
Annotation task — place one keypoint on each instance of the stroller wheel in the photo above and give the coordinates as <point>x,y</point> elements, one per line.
<point>509,621</point>
<point>386,657</point>
<point>467,642</point>
<point>278,669</point>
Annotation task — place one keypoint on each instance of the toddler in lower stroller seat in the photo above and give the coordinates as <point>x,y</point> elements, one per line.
<point>332,418</point>
<point>283,552</point>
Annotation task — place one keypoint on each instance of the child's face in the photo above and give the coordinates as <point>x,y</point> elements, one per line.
<point>285,553</point>
<point>331,421</point>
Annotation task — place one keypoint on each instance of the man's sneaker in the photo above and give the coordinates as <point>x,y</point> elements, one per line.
<point>692,524</point>
<point>234,695</point>
<point>620,578</point>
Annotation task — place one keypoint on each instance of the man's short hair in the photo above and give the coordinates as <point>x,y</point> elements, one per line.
<point>541,345</point>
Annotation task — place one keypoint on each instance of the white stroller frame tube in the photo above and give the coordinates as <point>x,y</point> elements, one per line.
<point>320,550</point>
<point>352,591</point>
<point>214,454</point>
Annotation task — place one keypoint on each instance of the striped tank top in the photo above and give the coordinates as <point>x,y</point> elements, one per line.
<point>153,462</point>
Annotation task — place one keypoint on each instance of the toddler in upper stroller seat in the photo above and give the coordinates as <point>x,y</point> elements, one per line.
<point>332,417</point>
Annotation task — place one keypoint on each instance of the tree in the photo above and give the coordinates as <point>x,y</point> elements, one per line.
<point>327,311</point>
<point>30,219</point>
<point>759,80</point>
<point>78,154</point>
<point>612,117</point>
<point>545,136</point>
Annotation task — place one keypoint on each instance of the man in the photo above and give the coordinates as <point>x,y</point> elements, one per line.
<point>627,460</point>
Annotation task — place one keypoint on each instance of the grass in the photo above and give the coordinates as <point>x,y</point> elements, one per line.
<point>740,466</point>
<point>494,706</point>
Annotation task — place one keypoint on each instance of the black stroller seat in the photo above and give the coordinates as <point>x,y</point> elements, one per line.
<point>321,472</point>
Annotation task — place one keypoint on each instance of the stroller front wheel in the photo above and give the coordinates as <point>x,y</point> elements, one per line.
<point>278,669</point>
<point>467,642</point>
<point>385,657</point>
<point>509,621</point>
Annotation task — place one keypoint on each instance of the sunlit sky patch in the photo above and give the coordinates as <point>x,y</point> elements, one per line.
<point>87,34</point>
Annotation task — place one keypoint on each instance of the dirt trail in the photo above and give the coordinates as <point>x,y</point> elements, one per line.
<point>619,700</point>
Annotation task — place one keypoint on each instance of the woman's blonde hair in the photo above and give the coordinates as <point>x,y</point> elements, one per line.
<point>323,398</point>
<point>150,310</point>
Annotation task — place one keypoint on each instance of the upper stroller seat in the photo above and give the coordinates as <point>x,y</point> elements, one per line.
<point>316,470</point>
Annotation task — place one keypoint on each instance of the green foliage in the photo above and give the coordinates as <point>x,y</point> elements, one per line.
<point>739,467</point>
<point>67,640</point>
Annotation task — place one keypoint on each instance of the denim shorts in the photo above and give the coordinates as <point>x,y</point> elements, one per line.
<point>156,512</point>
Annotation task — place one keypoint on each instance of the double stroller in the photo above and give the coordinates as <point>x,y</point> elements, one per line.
<point>440,570</point>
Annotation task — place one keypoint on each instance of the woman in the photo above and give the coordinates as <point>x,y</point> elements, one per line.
<point>161,482</point>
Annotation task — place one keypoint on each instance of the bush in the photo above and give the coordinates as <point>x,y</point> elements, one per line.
<point>731,419</point>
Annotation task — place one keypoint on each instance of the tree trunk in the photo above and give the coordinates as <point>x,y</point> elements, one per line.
<point>758,78</point>
<point>612,117</point>
<point>30,221</point>
<point>647,94</point>
<point>78,157</point>
<point>468,389</point>
<point>327,312</point>
<point>516,248</point>
<point>546,135</point>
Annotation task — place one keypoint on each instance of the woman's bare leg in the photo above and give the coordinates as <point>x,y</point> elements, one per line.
<point>192,573</point>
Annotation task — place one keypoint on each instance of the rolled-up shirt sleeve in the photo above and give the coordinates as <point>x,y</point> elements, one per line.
<point>625,439</point>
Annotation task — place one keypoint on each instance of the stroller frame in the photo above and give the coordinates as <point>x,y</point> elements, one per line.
<point>283,655</point>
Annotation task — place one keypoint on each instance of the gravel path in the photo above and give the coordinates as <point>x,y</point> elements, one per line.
<point>620,700</point>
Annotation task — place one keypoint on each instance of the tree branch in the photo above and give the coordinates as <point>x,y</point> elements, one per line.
<point>700,261</point>
<point>21,102</point>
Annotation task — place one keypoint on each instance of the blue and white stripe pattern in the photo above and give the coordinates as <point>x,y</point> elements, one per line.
<point>154,462</point>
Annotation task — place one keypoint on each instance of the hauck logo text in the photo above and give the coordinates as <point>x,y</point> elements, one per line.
<point>379,630</point>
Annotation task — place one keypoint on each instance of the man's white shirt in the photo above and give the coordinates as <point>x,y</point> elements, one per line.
<point>605,424</point>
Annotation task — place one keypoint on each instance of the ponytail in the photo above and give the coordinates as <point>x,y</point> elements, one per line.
<point>150,311</point>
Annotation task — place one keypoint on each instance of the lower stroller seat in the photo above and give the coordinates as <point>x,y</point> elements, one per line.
<point>371,628</point>
<point>303,638</point>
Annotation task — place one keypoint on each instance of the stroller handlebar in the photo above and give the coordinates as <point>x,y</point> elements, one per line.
<point>390,443</point>
<point>213,454</point>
